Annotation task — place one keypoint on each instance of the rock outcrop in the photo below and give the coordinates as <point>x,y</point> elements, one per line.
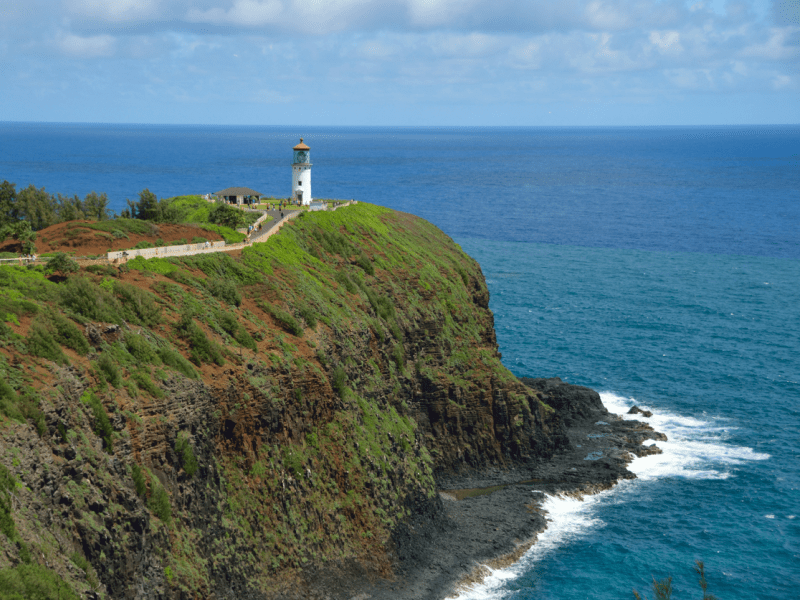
<point>338,371</point>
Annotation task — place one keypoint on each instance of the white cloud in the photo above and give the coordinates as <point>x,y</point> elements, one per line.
<point>667,42</point>
<point>115,11</point>
<point>245,13</point>
<point>778,45</point>
<point>94,46</point>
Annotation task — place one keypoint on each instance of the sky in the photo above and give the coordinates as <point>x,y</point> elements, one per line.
<point>401,62</point>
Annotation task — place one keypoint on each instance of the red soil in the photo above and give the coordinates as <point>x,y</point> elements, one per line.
<point>76,239</point>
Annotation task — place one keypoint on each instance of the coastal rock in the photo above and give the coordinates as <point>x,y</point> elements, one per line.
<point>635,410</point>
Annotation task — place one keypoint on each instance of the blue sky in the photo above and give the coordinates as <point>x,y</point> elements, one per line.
<point>401,62</point>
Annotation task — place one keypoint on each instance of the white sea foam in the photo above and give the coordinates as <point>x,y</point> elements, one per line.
<point>695,450</point>
<point>568,519</point>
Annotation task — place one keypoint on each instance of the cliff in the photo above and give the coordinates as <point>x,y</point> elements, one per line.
<point>257,425</point>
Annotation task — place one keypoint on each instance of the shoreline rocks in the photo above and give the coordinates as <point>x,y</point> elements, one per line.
<point>494,516</point>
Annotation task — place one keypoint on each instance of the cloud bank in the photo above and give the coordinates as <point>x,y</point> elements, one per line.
<point>324,56</point>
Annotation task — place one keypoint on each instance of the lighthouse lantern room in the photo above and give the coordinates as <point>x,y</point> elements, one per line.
<point>301,174</point>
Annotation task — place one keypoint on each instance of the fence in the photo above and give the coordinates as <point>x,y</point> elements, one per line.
<point>122,256</point>
<point>165,251</point>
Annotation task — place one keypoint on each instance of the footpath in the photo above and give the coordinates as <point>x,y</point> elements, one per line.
<point>268,229</point>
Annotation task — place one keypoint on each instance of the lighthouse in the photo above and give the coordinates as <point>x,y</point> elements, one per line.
<point>301,174</point>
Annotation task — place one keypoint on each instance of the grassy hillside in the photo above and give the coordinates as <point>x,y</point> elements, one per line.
<point>230,423</point>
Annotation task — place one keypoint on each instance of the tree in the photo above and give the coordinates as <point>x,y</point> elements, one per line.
<point>147,208</point>
<point>20,231</point>
<point>224,214</point>
<point>36,206</point>
<point>96,206</point>
<point>8,194</point>
<point>62,264</point>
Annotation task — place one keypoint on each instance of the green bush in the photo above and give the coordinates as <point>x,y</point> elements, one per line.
<point>284,319</point>
<point>159,502</point>
<point>144,382</point>
<point>398,356</point>
<point>174,359</point>
<point>308,314</point>
<point>62,264</point>
<point>42,343</point>
<point>102,426</point>
<point>364,262</point>
<point>229,323</point>
<point>85,298</point>
<point>34,582</point>
<point>143,245</point>
<point>339,381</point>
<point>153,265</point>
<point>138,306</point>
<point>66,332</point>
<point>225,289</point>
<point>202,350</point>
<point>141,350</point>
<point>108,370</point>
<point>138,480</point>
<point>186,454</point>
<point>343,279</point>
<point>7,525</point>
<point>22,407</point>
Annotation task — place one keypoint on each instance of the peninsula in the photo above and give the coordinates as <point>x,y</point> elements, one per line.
<point>321,415</point>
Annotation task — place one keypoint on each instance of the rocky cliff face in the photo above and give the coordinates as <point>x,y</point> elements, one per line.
<point>336,372</point>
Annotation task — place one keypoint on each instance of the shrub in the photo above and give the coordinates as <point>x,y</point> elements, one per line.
<point>364,262</point>
<point>62,264</point>
<point>102,426</point>
<point>66,332</point>
<point>339,381</point>
<point>7,525</point>
<point>141,350</point>
<point>153,265</point>
<point>398,356</point>
<point>186,454</point>
<point>159,502</point>
<point>138,306</point>
<point>285,320</point>
<point>201,348</point>
<point>229,323</point>
<point>34,581</point>
<point>308,314</point>
<point>174,359</point>
<point>224,289</point>
<point>138,480</point>
<point>343,279</point>
<point>41,343</point>
<point>144,382</point>
<point>87,299</point>
<point>107,369</point>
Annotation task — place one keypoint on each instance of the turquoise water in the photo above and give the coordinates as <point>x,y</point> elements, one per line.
<point>660,266</point>
<point>709,343</point>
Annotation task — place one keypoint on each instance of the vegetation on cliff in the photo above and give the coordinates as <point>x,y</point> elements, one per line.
<point>227,423</point>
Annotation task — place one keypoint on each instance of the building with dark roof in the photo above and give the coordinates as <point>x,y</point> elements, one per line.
<point>239,195</point>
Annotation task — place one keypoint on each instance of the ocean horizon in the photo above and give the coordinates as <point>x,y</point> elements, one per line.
<point>657,265</point>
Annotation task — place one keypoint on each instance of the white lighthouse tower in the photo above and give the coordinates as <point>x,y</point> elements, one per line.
<point>301,174</point>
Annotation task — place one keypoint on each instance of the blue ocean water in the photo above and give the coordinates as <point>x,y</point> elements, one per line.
<point>660,266</point>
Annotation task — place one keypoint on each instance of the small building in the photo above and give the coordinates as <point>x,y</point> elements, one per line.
<point>301,174</point>
<point>239,195</point>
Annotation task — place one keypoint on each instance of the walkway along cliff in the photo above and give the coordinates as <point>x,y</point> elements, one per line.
<point>265,423</point>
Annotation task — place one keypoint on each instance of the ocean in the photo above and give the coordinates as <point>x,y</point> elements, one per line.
<point>659,266</point>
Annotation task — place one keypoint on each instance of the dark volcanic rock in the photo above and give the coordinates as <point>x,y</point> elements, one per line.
<point>635,410</point>
<point>491,516</point>
<point>573,403</point>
